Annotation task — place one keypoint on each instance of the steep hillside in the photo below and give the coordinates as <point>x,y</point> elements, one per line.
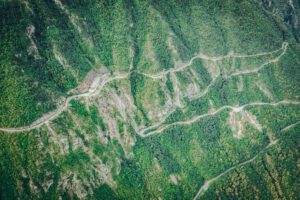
<point>130,99</point>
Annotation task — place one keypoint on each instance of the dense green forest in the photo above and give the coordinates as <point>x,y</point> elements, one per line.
<point>148,99</point>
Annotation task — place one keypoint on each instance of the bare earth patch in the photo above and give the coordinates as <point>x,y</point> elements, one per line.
<point>238,120</point>
<point>262,87</point>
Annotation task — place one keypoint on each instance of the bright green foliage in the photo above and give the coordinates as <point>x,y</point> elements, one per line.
<point>173,123</point>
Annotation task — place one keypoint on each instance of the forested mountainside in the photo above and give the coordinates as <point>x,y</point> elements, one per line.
<point>148,99</point>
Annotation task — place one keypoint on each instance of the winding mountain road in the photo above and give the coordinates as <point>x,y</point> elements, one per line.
<point>106,79</point>
<point>52,115</point>
<point>197,118</point>
<point>218,58</point>
<point>206,90</point>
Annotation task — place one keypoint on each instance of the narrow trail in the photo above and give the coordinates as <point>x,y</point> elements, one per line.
<point>207,184</point>
<point>290,126</point>
<point>197,118</point>
<point>93,91</point>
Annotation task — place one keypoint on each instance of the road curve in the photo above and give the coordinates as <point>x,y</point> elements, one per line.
<point>96,90</point>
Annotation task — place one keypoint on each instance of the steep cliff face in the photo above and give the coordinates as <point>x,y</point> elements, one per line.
<point>130,99</point>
